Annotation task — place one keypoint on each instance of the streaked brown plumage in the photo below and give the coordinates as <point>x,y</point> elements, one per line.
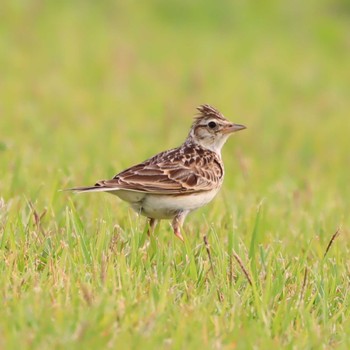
<point>177,181</point>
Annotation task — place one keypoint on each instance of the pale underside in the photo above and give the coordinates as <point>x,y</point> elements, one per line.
<point>160,206</point>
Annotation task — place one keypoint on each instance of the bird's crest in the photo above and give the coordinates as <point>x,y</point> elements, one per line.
<point>208,111</point>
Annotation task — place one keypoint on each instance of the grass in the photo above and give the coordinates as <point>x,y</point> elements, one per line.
<point>89,88</point>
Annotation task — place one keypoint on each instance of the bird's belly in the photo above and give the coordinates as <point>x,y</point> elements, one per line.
<point>166,206</point>
<point>131,197</point>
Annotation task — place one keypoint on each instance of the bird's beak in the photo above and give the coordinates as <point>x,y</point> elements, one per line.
<point>230,128</point>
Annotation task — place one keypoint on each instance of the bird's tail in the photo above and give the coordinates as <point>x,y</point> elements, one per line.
<point>90,189</point>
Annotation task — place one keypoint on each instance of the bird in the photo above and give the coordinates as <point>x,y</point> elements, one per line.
<point>175,182</point>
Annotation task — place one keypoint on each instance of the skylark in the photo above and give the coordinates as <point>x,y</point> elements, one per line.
<point>175,182</point>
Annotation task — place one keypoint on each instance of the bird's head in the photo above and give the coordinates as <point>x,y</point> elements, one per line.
<point>211,129</point>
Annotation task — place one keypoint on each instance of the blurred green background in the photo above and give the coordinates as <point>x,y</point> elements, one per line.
<point>88,88</point>
<point>118,81</point>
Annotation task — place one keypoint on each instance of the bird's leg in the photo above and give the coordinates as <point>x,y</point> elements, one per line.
<point>177,224</point>
<point>151,225</point>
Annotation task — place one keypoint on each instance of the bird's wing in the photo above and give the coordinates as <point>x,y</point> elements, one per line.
<point>177,171</point>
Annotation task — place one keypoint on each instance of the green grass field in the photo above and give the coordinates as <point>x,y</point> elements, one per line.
<point>89,88</point>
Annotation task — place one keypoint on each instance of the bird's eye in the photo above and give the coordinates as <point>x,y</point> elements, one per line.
<point>212,125</point>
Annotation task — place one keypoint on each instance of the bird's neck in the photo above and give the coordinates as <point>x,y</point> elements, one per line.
<point>205,144</point>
